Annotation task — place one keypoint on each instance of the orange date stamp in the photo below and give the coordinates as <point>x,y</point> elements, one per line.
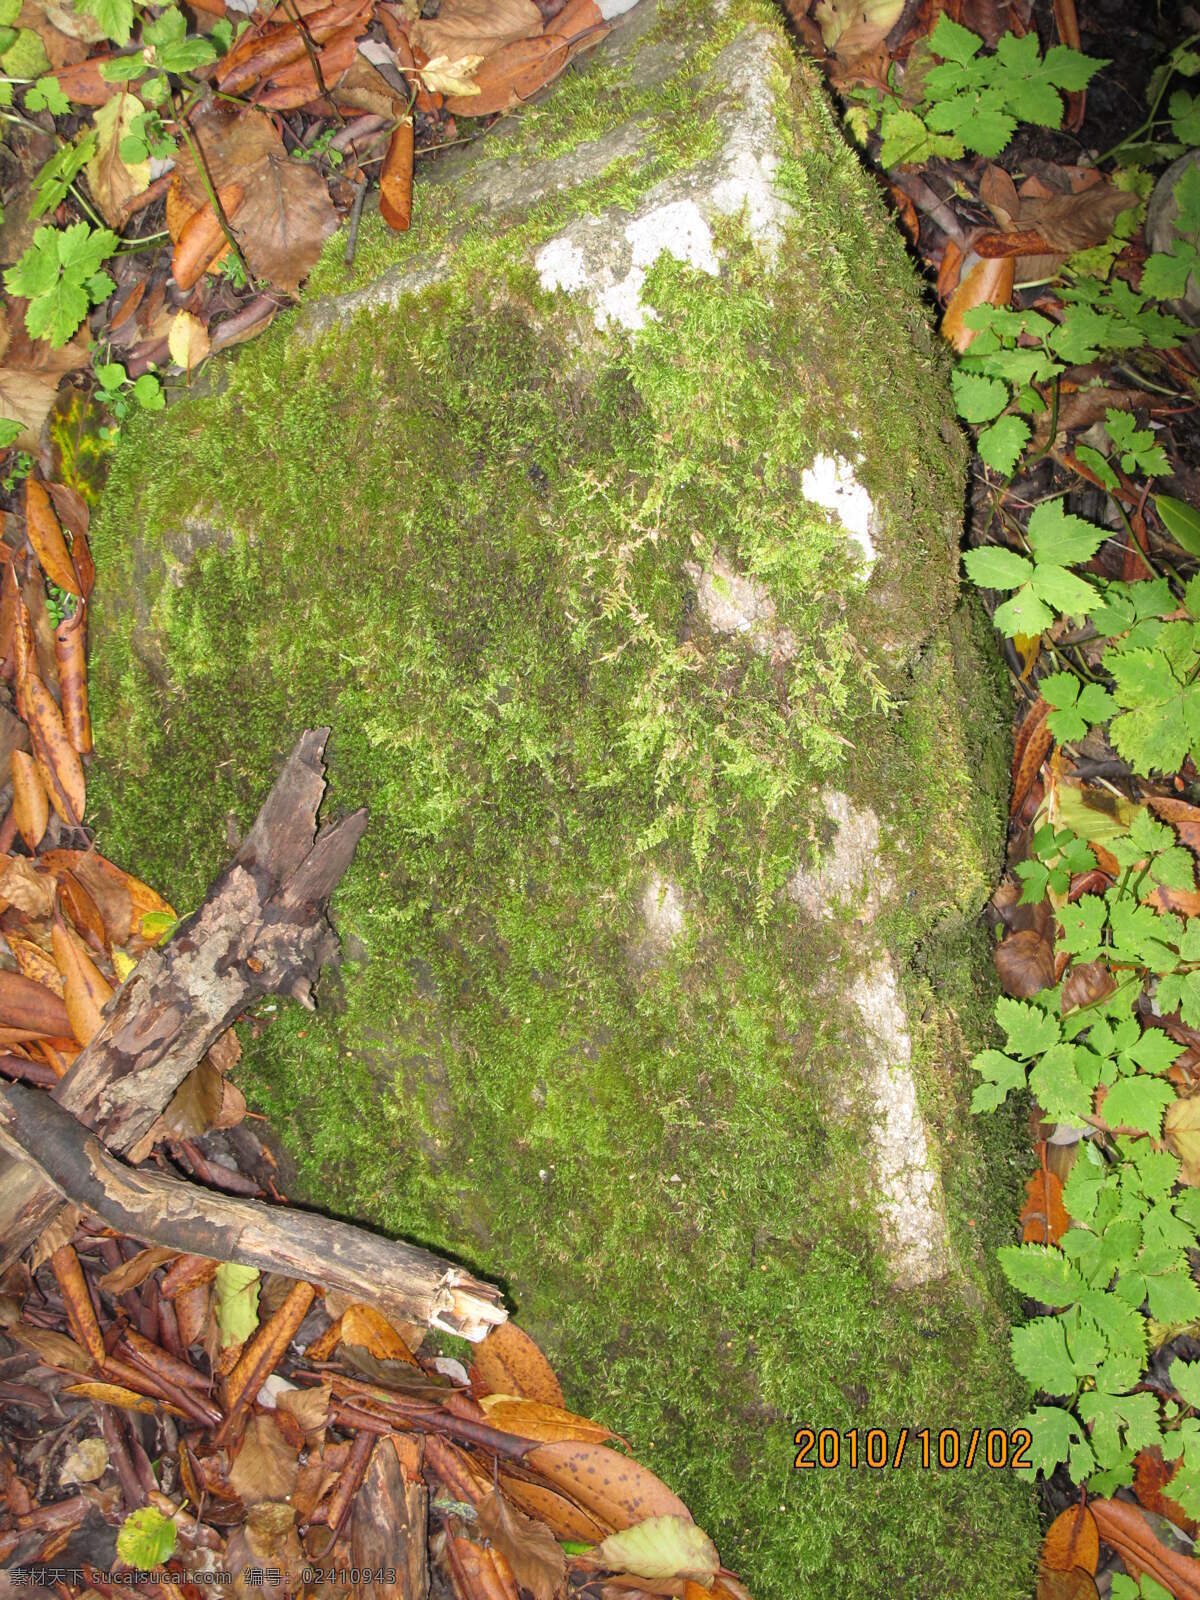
<point>944,1449</point>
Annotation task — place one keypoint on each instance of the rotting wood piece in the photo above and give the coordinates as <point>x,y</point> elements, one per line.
<point>404,1281</point>
<point>391,1513</point>
<point>261,929</point>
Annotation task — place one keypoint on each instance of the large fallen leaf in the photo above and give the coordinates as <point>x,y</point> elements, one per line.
<point>856,27</point>
<point>606,1483</point>
<point>56,1349</point>
<point>57,758</point>
<point>236,1301</point>
<point>1073,1585</point>
<point>986,283</point>
<point>46,536</point>
<point>86,990</point>
<point>1068,209</point>
<point>35,963</point>
<point>1125,1528</point>
<point>187,342</point>
<point>286,215</point>
<point>136,1270</point>
<point>512,75</point>
<point>662,1547</point>
<point>70,654</point>
<point>534,1554</point>
<point>1072,1540</point>
<point>266,1466</point>
<point>31,804</point>
<point>363,1325</point>
<point>533,1419</point>
<point>112,180</point>
<point>1044,1218</point>
<point>115,1394</point>
<point>27,1004</point>
<point>1151,1476</point>
<point>508,1362</point>
<point>476,27</point>
<point>205,1099</point>
<point>563,1517</point>
<point>396,178</point>
<point>1181,1130</point>
<point>30,374</point>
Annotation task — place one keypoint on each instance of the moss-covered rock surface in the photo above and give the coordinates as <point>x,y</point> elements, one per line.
<point>685,788</point>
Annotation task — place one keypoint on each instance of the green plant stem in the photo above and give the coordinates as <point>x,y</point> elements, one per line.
<point>1145,127</point>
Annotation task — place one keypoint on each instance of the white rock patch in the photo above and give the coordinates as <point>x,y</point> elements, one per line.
<point>731,603</point>
<point>912,1206</point>
<point>662,910</point>
<point>676,229</point>
<point>831,484</point>
<point>851,871</point>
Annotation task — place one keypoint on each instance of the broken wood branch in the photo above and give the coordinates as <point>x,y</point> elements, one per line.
<point>404,1281</point>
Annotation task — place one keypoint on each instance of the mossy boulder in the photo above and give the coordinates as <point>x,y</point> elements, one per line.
<point>610,520</point>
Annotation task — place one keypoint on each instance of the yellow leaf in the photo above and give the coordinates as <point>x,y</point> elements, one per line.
<point>445,76</point>
<point>113,181</point>
<point>187,341</point>
<point>662,1547</point>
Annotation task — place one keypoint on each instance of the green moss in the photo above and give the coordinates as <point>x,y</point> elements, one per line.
<point>460,534</point>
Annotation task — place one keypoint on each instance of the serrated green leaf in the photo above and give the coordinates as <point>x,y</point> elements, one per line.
<point>1039,1352</point>
<point>1001,445</point>
<point>1028,1029</point>
<point>1042,1273</point>
<point>991,566</point>
<point>1097,465</point>
<point>1174,1297</point>
<point>115,17</point>
<point>1024,614</point>
<point>1137,1103</point>
<point>952,41</point>
<point>235,1301</point>
<point>1054,1432</point>
<point>1062,539</point>
<point>976,398</point>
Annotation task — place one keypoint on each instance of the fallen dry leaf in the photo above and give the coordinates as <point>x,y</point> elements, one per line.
<point>266,1466</point>
<point>1072,1540</point>
<point>70,655</point>
<point>564,1519</point>
<point>86,990</point>
<point>46,536</point>
<point>986,283</point>
<point>533,1419</point>
<point>476,27</point>
<point>614,1488</point>
<point>187,341</point>
<point>27,1004</point>
<point>396,178</point>
<point>1044,1218</point>
<point>512,75</point>
<point>112,180</point>
<point>534,1554</point>
<point>31,804</point>
<point>57,759</point>
<point>286,215</point>
<point>1024,963</point>
<point>509,1362</point>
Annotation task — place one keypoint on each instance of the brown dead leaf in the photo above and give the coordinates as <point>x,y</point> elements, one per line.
<point>1077,208</point>
<point>266,1466</point>
<point>564,1519</point>
<point>86,990</point>
<point>35,963</point>
<point>55,1349</point>
<point>136,1270</point>
<point>533,1419</point>
<point>363,1325</point>
<point>309,1407</point>
<point>1184,818</point>
<point>507,1361</point>
<point>534,1554</point>
<point>396,178</point>
<point>1074,1585</point>
<point>29,1005</point>
<point>286,215</point>
<point>70,654</point>
<point>1086,983</point>
<point>57,759</point>
<point>31,805</point>
<point>512,75</point>
<point>1181,1130</point>
<point>986,283</point>
<point>475,27</point>
<point>26,885</point>
<point>478,1572</point>
<point>30,374</point>
<point>46,536</point>
<point>115,1394</point>
<point>205,1099</point>
<point>1044,1218</point>
<point>1025,963</point>
<point>606,1483</point>
<point>1072,1541</point>
<point>1151,1476</point>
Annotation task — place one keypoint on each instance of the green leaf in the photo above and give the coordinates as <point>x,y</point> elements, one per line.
<point>1165,277</point>
<point>1173,1296</point>
<point>26,57</point>
<point>1057,537</point>
<point>1185,1376</point>
<point>1137,1103</point>
<point>46,95</point>
<point>1055,1433</point>
<point>1001,1075</point>
<point>1181,521</point>
<point>1039,1352</point>
<point>978,399</point>
<point>145,1539</point>
<point>1028,1028</point>
<point>1097,464</point>
<point>661,1548</point>
<point>148,392</point>
<point>1042,1273</point>
<point>235,1302</point>
<point>10,432</point>
<point>991,566</point>
<point>953,42</point>
<point>123,68</point>
<point>1139,453</point>
<point>905,138</point>
<point>1121,1424</point>
<point>1056,1083</point>
<point>115,17</point>
<point>1000,446</point>
<point>1023,614</point>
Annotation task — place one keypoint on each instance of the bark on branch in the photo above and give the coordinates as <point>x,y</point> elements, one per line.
<point>405,1282</point>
